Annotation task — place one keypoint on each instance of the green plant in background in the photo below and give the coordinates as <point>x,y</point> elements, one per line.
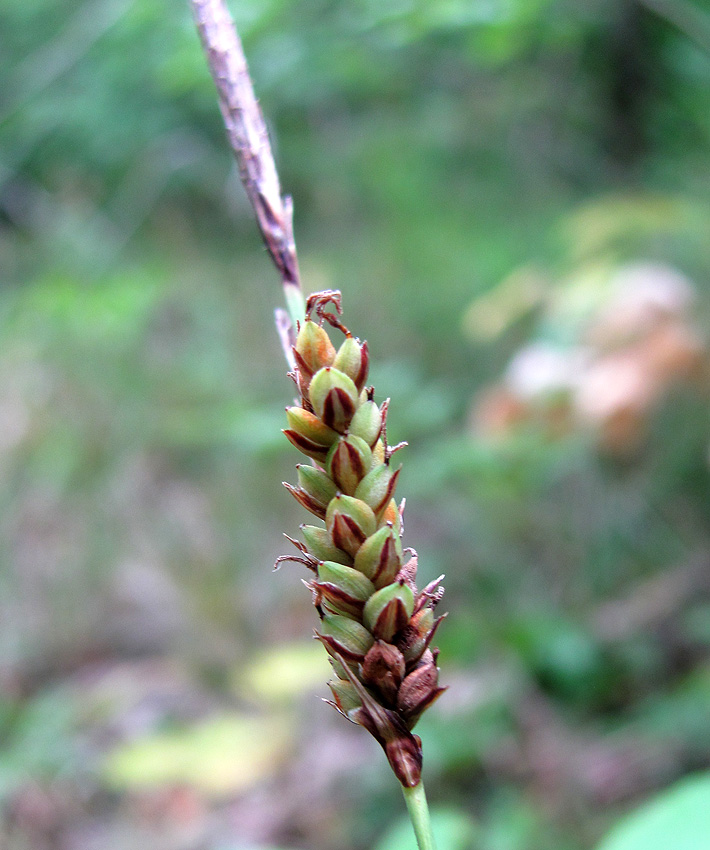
<point>375,623</point>
<point>678,817</point>
<point>134,293</point>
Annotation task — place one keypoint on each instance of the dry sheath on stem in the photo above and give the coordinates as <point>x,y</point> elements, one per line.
<point>249,140</point>
<point>375,624</point>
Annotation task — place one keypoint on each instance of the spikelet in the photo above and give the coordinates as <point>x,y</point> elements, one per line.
<point>374,623</point>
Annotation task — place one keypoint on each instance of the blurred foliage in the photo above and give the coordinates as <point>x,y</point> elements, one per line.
<point>277,674</point>
<point>39,740</point>
<point>479,179</point>
<point>222,756</point>
<point>679,816</point>
<point>452,831</point>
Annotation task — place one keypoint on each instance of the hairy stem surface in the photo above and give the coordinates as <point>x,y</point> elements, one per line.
<point>415,799</point>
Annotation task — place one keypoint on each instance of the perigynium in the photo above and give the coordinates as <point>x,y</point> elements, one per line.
<point>375,624</point>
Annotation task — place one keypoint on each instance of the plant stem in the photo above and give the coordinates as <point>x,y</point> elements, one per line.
<point>249,140</point>
<point>415,798</point>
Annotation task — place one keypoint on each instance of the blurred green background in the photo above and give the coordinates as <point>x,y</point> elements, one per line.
<point>514,198</point>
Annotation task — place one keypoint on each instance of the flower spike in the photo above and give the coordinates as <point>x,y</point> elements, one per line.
<point>375,624</point>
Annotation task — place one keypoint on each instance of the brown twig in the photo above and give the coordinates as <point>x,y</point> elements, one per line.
<point>249,139</point>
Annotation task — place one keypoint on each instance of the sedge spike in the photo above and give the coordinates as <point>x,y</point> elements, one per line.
<point>375,624</point>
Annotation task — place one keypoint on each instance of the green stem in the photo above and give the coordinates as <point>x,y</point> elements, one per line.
<point>415,799</point>
<point>295,303</point>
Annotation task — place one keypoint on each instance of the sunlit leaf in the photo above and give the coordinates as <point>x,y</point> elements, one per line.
<point>222,755</point>
<point>282,672</point>
<point>679,818</point>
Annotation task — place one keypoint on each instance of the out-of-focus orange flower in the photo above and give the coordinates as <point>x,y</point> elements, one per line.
<point>629,352</point>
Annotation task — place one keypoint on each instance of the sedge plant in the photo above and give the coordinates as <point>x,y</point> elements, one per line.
<point>373,621</point>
